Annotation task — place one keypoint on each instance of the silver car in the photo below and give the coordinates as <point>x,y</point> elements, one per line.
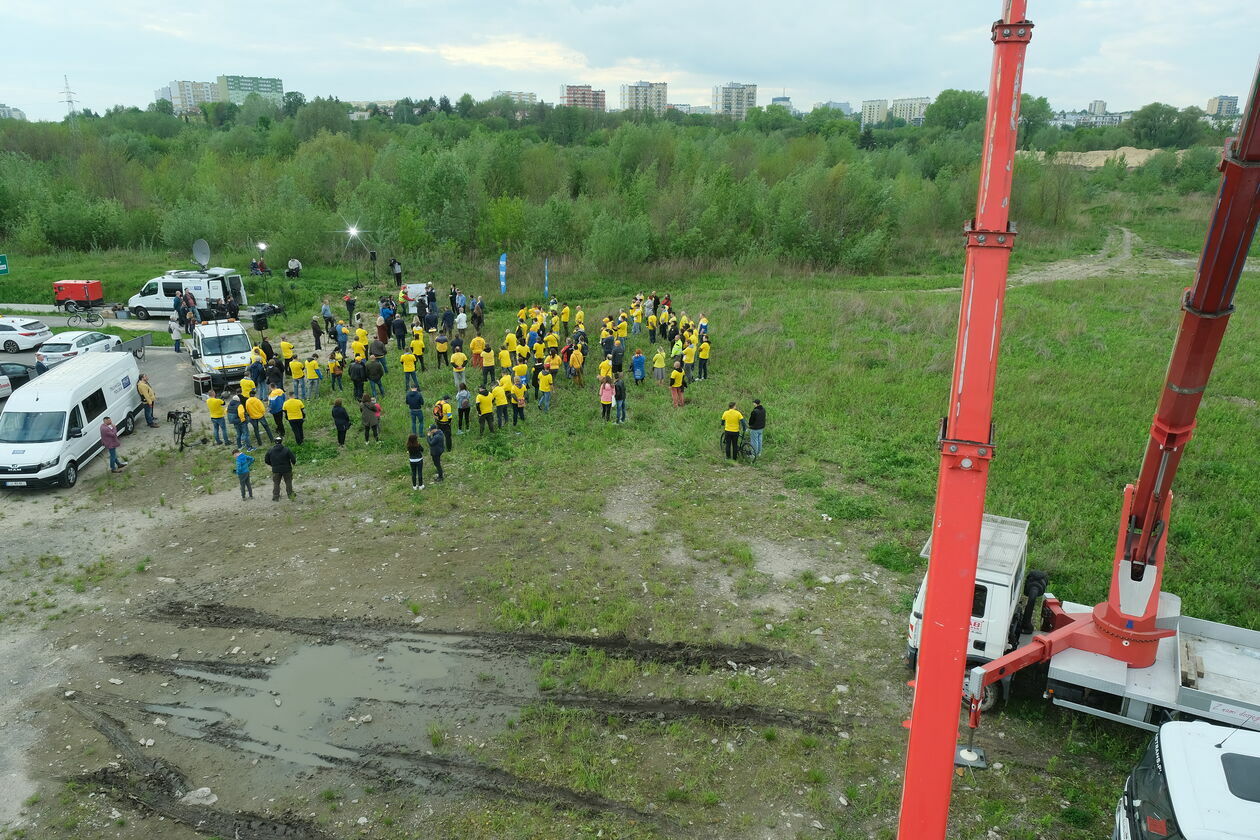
<point>67,345</point>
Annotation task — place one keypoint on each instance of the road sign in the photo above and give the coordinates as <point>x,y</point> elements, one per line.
<point>4,263</point>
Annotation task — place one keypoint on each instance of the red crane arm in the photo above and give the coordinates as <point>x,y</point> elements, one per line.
<point>966,448</point>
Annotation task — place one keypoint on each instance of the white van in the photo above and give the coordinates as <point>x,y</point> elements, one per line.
<point>51,426</point>
<point>213,284</point>
<point>221,350</point>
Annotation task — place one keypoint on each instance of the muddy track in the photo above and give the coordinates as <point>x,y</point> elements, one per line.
<point>155,786</point>
<point>145,664</point>
<point>186,613</point>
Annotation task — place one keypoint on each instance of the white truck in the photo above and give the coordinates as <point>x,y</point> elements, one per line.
<point>1196,781</point>
<point>220,352</point>
<point>208,286</point>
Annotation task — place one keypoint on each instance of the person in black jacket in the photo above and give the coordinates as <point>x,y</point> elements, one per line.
<point>437,445</point>
<point>375,372</point>
<point>756,426</point>
<point>357,371</point>
<point>399,328</point>
<point>341,421</point>
<point>619,397</point>
<point>281,460</point>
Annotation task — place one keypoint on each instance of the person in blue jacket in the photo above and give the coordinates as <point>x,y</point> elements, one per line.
<point>243,461</point>
<point>638,364</point>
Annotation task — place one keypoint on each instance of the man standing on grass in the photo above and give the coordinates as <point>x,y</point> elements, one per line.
<point>281,460</point>
<point>731,419</point>
<point>485,411</point>
<point>408,362</point>
<point>295,411</point>
<point>756,426</point>
<point>256,413</point>
<point>500,397</point>
<point>442,413</point>
<point>415,404</point>
<point>275,405</point>
<point>459,360</point>
<point>619,398</point>
<point>676,384</point>
<point>375,372</point>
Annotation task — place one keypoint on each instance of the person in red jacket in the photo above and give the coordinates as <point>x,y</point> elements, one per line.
<point>109,440</point>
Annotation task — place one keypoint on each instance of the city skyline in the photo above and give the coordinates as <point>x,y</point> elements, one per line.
<point>1082,51</point>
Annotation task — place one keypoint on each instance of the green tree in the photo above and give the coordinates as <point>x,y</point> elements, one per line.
<point>293,102</point>
<point>1034,115</point>
<point>1154,125</point>
<point>444,105</point>
<point>321,115</point>
<point>162,106</point>
<point>955,109</point>
<point>465,105</point>
<point>219,114</point>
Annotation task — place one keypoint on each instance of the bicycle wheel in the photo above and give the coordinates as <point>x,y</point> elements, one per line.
<point>74,320</point>
<point>746,452</point>
<point>94,319</point>
<point>138,353</point>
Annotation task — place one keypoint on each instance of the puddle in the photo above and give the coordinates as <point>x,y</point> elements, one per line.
<point>308,708</point>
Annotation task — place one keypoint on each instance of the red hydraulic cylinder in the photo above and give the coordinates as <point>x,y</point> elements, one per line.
<point>966,447</point>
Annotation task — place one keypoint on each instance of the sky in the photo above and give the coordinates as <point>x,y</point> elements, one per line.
<point>120,51</point>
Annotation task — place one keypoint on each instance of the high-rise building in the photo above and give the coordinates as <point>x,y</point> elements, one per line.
<point>236,88</point>
<point>186,97</point>
<point>911,110</point>
<point>7,113</point>
<point>582,96</point>
<point>783,102</point>
<point>1098,107</point>
<point>645,96</point>
<point>734,99</point>
<point>518,97</point>
<point>874,111</point>
<point>1222,106</point>
<point>843,107</point>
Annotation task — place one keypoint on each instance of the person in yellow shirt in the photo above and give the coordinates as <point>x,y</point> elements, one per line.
<point>505,357</point>
<point>286,349</point>
<point>295,412</point>
<point>408,362</point>
<point>658,366</point>
<point>218,417</point>
<point>487,365</point>
<point>731,419</point>
<point>259,354</point>
<point>256,414</point>
<point>544,390</point>
<point>636,318</point>
<point>539,351</point>
<point>358,348</point>
<point>516,396</point>
<point>623,326</point>
<point>554,362</point>
<point>362,335</point>
<point>297,371</point>
<point>704,356</point>
<point>510,342</point>
<point>519,370</point>
<point>336,366</point>
<point>689,361</point>
<point>606,367</point>
<point>551,341</point>
<point>677,381</point>
<point>651,322</point>
<point>475,347</point>
<point>485,411</point>
<point>554,323</point>
<point>312,377</point>
<point>247,386</point>
<point>500,397</point>
<point>459,361</point>
<point>417,347</point>
<point>564,319</point>
<point>579,317</point>
<point>576,360</point>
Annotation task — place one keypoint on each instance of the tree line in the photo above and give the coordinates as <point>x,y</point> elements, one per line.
<point>469,179</point>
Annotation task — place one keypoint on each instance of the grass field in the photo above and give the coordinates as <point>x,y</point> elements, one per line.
<point>575,527</point>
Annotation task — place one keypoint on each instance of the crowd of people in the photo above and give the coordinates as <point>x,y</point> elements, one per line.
<point>491,379</point>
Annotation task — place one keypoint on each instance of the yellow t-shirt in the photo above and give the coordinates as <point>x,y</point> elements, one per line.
<point>247,387</point>
<point>296,369</point>
<point>520,369</point>
<point>417,346</point>
<point>476,346</point>
<point>487,358</point>
<point>293,408</point>
<point>458,360</point>
<point>358,348</point>
<point>260,355</point>
<point>510,341</point>
<point>652,321</point>
<point>552,340</point>
<point>505,381</point>
<point>255,408</point>
<point>408,361</point>
<point>312,369</point>
<point>505,358</point>
<point>518,394</point>
<point>544,382</point>
<point>658,361</point>
<point>605,368</point>
<point>539,349</point>
<point>216,407</point>
<point>576,358</point>
<point>704,350</point>
<point>623,329</point>
<point>361,334</point>
<point>564,315</point>
<point>676,379</point>
<point>580,316</point>
<point>499,395</point>
<point>689,354</point>
<point>637,314</point>
<point>730,419</point>
<point>553,361</point>
<point>485,403</point>
<point>441,345</point>
<point>286,350</point>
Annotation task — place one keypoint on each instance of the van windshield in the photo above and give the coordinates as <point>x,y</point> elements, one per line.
<point>31,426</point>
<point>223,345</point>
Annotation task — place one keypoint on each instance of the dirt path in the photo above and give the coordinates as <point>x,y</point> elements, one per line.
<point>1116,253</point>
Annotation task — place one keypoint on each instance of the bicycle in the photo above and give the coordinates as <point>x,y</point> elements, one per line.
<point>744,447</point>
<point>79,317</point>
<point>138,352</point>
<point>181,425</point>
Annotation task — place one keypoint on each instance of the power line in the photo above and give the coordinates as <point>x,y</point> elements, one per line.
<point>68,99</point>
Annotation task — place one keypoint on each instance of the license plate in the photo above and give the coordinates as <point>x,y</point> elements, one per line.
<point>15,484</point>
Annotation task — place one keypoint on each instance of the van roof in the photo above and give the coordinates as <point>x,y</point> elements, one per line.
<point>1003,542</point>
<point>69,373</point>
<point>196,273</point>
<point>1213,781</point>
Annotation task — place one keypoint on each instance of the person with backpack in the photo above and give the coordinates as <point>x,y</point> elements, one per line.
<point>442,414</point>
<point>341,421</point>
<point>370,414</point>
<point>241,465</point>
<point>357,371</point>
<point>235,411</point>
<point>275,407</point>
<point>463,407</point>
<point>619,397</point>
<point>437,445</point>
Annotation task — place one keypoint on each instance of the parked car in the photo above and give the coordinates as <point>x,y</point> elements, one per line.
<point>18,334</point>
<point>67,345</point>
<point>14,375</point>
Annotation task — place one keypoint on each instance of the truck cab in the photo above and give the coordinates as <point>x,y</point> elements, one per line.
<point>1196,781</point>
<point>156,297</point>
<point>999,600</point>
<point>220,350</point>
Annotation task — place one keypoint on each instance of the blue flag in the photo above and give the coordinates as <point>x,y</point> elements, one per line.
<point>546,279</point>
<point>503,273</point>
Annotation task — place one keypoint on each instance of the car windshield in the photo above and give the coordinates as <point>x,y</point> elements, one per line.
<point>34,325</point>
<point>222,345</point>
<point>55,348</point>
<point>31,426</point>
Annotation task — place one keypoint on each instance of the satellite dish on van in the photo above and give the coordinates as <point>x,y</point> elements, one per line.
<point>201,253</point>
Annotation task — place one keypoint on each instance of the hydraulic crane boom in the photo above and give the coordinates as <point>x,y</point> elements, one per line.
<point>1123,627</point>
<point>966,448</point>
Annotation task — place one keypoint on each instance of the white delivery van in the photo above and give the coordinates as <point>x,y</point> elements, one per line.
<point>207,287</point>
<point>51,426</point>
<point>220,350</point>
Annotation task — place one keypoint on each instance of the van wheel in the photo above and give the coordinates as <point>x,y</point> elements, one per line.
<point>10,347</point>
<point>988,699</point>
<point>142,313</point>
<point>128,425</point>
<point>71,476</point>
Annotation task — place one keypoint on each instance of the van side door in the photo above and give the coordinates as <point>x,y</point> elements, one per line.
<point>78,447</point>
<point>170,291</point>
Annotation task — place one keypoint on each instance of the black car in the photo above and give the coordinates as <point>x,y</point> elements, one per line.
<point>13,376</point>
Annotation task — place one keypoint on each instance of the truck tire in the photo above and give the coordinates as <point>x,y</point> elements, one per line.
<point>142,313</point>
<point>912,658</point>
<point>71,476</point>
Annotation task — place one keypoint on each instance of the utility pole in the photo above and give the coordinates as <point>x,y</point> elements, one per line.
<point>68,98</point>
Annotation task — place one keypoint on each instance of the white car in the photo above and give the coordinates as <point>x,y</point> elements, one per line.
<point>17,334</point>
<point>67,345</point>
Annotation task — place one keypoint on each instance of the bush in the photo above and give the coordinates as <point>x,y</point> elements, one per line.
<point>82,224</point>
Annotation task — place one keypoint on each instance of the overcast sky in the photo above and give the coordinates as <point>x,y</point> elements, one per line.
<point>119,51</point>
